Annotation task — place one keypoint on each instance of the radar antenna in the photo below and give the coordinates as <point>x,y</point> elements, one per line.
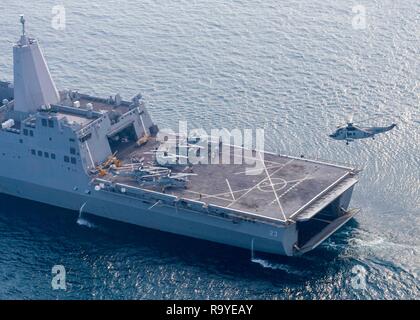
<point>22,21</point>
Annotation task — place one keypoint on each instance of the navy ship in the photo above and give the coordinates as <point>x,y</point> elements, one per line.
<point>103,157</point>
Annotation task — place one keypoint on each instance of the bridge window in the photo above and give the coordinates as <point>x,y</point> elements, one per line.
<point>25,132</point>
<point>46,155</point>
<point>72,150</point>
<point>73,160</point>
<point>66,159</point>
<point>53,156</point>
<point>40,153</point>
<point>31,133</point>
<point>33,151</point>
<point>44,122</point>
<point>51,123</point>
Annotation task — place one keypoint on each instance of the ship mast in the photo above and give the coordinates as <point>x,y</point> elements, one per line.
<point>22,21</point>
<point>34,87</point>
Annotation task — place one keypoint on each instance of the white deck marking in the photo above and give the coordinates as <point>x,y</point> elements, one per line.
<point>299,181</point>
<point>205,195</point>
<point>252,170</point>
<point>279,185</point>
<point>216,195</point>
<point>295,185</point>
<point>230,189</point>
<point>255,186</point>
<point>272,186</point>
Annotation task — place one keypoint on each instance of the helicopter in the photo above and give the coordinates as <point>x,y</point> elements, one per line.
<point>350,132</point>
<point>165,181</point>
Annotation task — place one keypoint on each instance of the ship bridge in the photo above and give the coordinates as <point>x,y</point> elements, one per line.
<point>100,125</point>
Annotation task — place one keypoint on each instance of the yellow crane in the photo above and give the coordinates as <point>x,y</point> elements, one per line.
<point>112,160</point>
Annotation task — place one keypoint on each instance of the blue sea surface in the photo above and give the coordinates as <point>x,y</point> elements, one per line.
<point>295,68</point>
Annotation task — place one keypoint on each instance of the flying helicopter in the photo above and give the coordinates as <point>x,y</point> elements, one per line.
<point>350,132</point>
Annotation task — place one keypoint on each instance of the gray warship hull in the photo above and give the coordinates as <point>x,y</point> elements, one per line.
<point>102,156</point>
<point>249,235</point>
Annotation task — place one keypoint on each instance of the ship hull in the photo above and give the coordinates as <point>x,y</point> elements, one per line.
<point>248,235</point>
<point>251,235</point>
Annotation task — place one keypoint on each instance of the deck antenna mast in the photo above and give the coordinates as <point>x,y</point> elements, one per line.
<point>22,21</point>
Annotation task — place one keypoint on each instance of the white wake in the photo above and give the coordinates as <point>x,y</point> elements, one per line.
<point>82,221</point>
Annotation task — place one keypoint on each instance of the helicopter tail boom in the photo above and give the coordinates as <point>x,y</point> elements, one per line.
<point>376,130</point>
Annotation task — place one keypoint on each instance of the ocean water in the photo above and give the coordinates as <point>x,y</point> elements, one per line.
<point>296,68</point>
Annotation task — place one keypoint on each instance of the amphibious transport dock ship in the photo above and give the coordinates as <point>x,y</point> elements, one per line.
<point>100,156</point>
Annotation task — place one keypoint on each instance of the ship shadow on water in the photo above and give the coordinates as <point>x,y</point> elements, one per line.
<point>95,234</point>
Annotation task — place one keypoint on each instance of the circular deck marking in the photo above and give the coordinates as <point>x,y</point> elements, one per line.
<point>278,183</point>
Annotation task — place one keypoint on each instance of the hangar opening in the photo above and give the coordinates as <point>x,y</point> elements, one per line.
<point>122,139</point>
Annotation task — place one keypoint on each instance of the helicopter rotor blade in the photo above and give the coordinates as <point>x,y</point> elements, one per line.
<point>370,118</point>
<point>350,120</point>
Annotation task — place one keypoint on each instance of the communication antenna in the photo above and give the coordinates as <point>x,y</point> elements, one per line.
<point>22,21</point>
